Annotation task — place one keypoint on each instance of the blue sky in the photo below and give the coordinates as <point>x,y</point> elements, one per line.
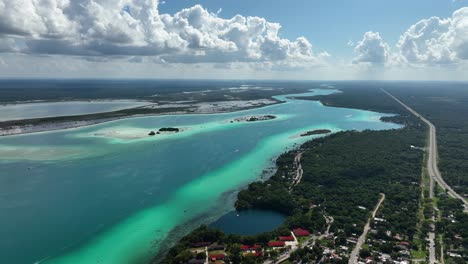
<point>330,24</point>
<point>235,39</point>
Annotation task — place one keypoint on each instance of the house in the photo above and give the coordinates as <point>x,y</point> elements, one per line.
<point>276,244</point>
<point>454,255</point>
<point>286,238</point>
<point>215,257</point>
<point>216,247</point>
<point>299,232</point>
<point>404,243</point>
<point>249,248</point>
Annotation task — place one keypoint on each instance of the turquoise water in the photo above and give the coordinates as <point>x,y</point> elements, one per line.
<point>110,194</point>
<point>36,110</point>
<point>250,222</point>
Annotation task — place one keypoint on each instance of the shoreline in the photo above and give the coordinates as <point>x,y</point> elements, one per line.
<point>38,125</point>
<point>180,232</point>
<point>176,235</point>
<point>181,245</point>
<point>13,103</point>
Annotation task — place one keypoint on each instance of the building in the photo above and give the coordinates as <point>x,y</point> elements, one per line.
<point>276,244</point>
<point>216,247</point>
<point>299,232</point>
<point>248,248</point>
<point>286,238</point>
<point>215,257</point>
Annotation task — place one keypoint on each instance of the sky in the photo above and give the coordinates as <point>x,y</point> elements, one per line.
<point>235,39</point>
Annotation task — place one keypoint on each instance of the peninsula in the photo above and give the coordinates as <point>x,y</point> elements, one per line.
<point>316,132</point>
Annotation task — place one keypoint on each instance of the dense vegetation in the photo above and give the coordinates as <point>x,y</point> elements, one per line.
<point>169,129</point>
<point>347,170</point>
<point>89,117</point>
<point>446,106</point>
<point>153,90</point>
<point>316,132</point>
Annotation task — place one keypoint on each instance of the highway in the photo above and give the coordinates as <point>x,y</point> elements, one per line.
<point>432,168</point>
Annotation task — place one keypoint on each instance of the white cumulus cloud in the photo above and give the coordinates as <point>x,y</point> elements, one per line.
<point>371,49</point>
<point>429,42</point>
<point>436,41</point>
<point>116,28</point>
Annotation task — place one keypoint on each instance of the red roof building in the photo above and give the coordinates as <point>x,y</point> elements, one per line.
<point>244,247</point>
<point>276,244</point>
<point>249,248</point>
<point>286,238</point>
<point>301,232</point>
<point>215,257</point>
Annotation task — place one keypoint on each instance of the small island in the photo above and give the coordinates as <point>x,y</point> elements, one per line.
<point>169,129</point>
<point>254,118</point>
<point>316,132</point>
<point>164,130</point>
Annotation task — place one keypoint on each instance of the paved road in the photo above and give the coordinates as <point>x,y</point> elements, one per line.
<point>299,171</point>
<point>432,256</point>
<point>432,167</point>
<point>354,257</point>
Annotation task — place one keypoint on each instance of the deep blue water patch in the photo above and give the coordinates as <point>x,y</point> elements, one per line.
<point>250,222</point>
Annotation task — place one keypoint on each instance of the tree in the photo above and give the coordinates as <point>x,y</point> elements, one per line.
<point>364,253</point>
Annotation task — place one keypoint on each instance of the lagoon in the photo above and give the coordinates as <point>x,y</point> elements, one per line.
<point>249,222</point>
<point>91,195</point>
<point>50,109</point>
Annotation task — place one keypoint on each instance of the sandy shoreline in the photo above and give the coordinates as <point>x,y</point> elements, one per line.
<point>200,108</point>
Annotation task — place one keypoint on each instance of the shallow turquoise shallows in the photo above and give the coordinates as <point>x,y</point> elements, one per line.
<point>111,194</point>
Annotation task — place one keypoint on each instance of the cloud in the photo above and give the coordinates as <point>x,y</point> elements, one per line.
<point>429,42</point>
<point>371,49</point>
<point>107,28</point>
<point>436,41</point>
<point>7,45</point>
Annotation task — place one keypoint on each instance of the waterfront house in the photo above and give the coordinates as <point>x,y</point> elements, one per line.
<point>249,248</point>
<point>276,244</point>
<point>299,232</point>
<point>286,238</point>
<point>215,257</point>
